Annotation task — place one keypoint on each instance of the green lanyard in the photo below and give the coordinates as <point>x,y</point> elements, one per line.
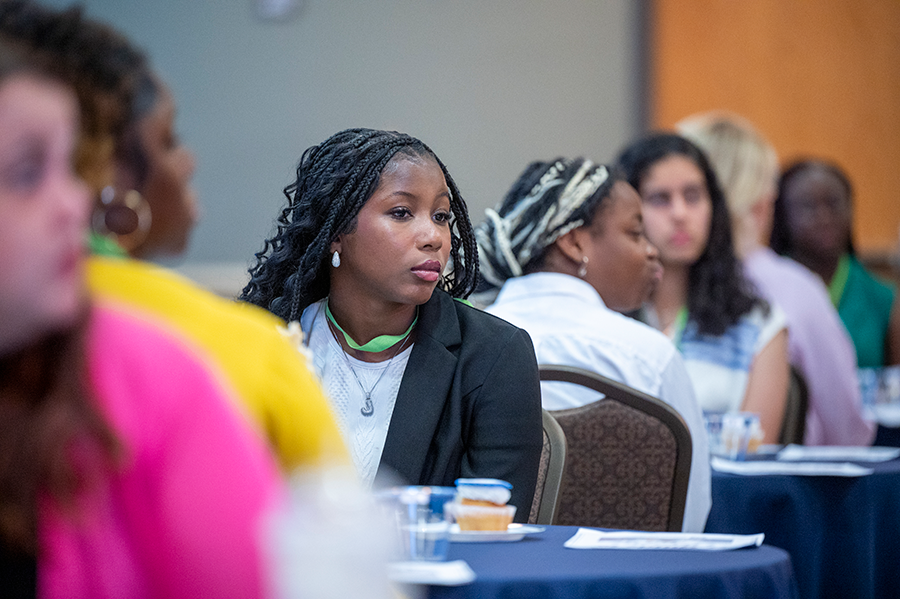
<point>104,246</point>
<point>839,280</point>
<point>377,344</point>
<point>679,324</point>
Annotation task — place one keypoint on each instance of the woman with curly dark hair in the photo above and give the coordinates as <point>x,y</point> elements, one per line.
<point>370,254</point>
<point>128,150</point>
<point>734,345</point>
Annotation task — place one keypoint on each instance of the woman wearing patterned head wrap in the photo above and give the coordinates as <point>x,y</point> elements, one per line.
<point>567,248</point>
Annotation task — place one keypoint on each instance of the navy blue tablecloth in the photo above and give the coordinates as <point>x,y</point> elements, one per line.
<point>843,533</point>
<point>887,436</point>
<point>540,567</point>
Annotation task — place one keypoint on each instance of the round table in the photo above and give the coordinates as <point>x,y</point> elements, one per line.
<point>843,533</point>
<point>887,436</point>
<point>539,566</point>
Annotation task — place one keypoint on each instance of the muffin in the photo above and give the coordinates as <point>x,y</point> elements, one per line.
<point>481,504</point>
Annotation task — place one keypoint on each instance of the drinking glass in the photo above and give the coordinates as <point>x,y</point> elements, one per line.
<point>420,525</point>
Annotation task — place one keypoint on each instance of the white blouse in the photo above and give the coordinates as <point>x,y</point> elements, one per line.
<point>346,382</point>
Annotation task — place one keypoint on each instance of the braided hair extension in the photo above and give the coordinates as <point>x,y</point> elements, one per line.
<point>781,240</point>
<point>334,180</point>
<point>548,200</point>
<point>718,293</point>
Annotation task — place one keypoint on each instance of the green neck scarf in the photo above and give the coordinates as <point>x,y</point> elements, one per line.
<point>377,344</point>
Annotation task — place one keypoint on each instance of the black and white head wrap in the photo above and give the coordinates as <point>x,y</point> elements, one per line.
<point>547,201</point>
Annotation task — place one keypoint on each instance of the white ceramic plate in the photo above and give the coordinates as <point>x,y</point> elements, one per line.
<point>515,532</point>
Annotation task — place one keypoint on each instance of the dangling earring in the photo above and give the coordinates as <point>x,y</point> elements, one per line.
<point>335,259</point>
<point>124,217</point>
<point>582,270</point>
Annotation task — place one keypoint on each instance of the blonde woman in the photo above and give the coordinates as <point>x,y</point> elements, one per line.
<point>747,167</point>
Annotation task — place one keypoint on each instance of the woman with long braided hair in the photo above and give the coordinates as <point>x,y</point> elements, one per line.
<point>370,253</point>
<point>567,249</point>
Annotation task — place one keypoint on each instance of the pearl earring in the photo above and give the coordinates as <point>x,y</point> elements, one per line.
<point>582,270</point>
<point>335,259</point>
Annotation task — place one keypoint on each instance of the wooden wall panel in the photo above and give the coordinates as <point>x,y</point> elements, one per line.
<point>817,77</point>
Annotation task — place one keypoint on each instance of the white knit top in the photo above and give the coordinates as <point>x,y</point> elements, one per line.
<point>364,435</point>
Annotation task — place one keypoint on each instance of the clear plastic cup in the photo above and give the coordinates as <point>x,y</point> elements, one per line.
<point>418,515</point>
<point>738,430</point>
<point>732,435</point>
<point>713,423</point>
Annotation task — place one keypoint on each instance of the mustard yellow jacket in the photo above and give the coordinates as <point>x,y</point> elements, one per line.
<point>242,344</point>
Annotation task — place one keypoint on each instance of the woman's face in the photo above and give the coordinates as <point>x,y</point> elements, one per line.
<point>677,209</point>
<point>623,266</point>
<point>44,211</point>
<point>170,166</point>
<point>401,242</point>
<point>818,213</point>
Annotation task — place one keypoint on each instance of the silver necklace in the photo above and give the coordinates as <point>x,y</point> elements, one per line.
<point>368,408</point>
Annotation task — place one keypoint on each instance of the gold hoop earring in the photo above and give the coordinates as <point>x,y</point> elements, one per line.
<point>124,217</point>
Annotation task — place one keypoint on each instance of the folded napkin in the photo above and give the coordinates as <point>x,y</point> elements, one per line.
<point>836,453</point>
<point>587,538</point>
<point>453,573</point>
<point>797,468</point>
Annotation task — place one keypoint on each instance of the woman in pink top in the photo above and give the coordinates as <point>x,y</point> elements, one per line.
<point>123,470</point>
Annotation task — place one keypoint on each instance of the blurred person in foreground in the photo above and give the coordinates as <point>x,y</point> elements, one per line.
<point>733,343</point>
<point>747,167</point>
<point>125,470</point>
<point>568,251</point>
<point>140,174</point>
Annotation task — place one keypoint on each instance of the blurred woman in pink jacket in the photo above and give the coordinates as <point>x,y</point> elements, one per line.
<point>124,471</point>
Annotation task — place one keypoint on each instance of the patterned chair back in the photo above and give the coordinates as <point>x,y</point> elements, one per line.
<point>550,472</point>
<point>628,458</point>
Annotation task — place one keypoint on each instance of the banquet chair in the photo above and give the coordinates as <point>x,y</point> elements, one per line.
<point>793,427</point>
<point>550,472</point>
<point>628,457</point>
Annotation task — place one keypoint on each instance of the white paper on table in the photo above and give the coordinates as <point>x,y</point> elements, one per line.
<point>886,414</point>
<point>836,453</point>
<point>588,538</point>
<point>796,468</point>
<point>453,573</point>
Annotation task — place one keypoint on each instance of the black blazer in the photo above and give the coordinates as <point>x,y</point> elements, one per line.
<point>469,403</point>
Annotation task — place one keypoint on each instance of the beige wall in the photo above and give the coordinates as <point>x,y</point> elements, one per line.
<point>817,77</point>
<point>489,85</point>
